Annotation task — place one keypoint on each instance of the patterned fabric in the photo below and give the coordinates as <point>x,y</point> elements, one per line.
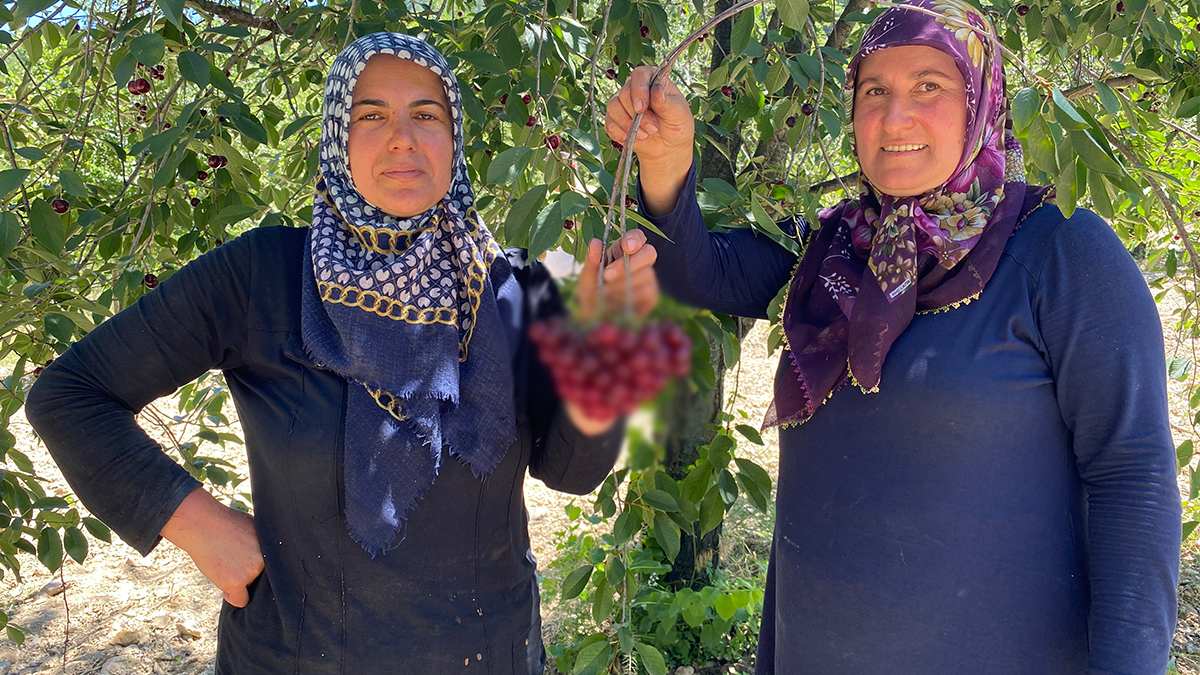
<point>410,310</point>
<point>878,260</point>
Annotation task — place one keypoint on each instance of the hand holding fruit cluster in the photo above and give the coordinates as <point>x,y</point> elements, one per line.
<point>608,370</point>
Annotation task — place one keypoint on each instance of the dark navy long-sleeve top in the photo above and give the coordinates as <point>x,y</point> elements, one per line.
<point>458,595</point>
<point>1006,503</point>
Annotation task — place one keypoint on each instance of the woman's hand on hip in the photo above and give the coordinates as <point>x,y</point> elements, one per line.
<point>665,135</point>
<point>641,281</point>
<point>221,541</point>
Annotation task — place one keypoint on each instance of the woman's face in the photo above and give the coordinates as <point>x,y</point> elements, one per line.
<point>401,143</point>
<point>910,119</point>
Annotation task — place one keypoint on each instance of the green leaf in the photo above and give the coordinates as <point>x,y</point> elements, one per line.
<point>520,217</point>
<point>173,10</point>
<point>10,233</point>
<point>793,13</point>
<point>148,48</point>
<point>627,525</point>
<point>195,68</point>
<point>651,658</point>
<point>15,634</point>
<point>750,433</point>
<point>250,127</point>
<point>72,184</point>
<point>666,533</point>
<point>50,549</point>
<point>1189,108</point>
<point>1025,106</point>
<point>1092,154</point>
<point>296,125</point>
<point>1065,112</point>
<point>660,500</point>
<point>1183,454</point>
<point>11,179</point>
<point>234,213</point>
<point>1189,527</point>
<point>764,221</point>
<point>508,165</point>
<point>712,511</point>
<point>59,326</point>
<point>615,572</point>
<point>1194,488</point>
<point>740,33</point>
<point>1066,191</point>
<point>1108,98</point>
<point>76,544</point>
<point>546,229</point>
<point>1179,368</point>
<point>725,606</point>
<point>575,582</point>
<point>97,529</point>
<point>47,227</point>
<point>1101,197</point>
<point>592,658</point>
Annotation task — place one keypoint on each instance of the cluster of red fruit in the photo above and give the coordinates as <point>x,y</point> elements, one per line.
<point>138,86</point>
<point>609,370</point>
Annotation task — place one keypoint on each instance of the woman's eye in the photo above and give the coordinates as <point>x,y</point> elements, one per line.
<point>370,116</point>
<point>930,86</point>
<point>874,91</point>
<point>426,116</point>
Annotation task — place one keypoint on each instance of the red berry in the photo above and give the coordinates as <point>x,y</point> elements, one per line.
<point>553,141</point>
<point>604,335</point>
<point>532,121</point>
<point>616,60</point>
<point>727,91</point>
<point>201,175</point>
<point>194,201</point>
<point>791,121</point>
<point>526,98</point>
<point>1022,10</point>
<point>807,109</point>
<point>37,371</point>
<point>139,86</point>
<point>1120,6</point>
<point>217,161</point>
<point>568,224</point>
<point>610,74</point>
<point>150,281</point>
<point>503,99</point>
<point>630,203</point>
<point>645,31</point>
<point>60,205</point>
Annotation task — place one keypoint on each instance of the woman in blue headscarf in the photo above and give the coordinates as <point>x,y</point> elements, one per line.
<point>389,399</point>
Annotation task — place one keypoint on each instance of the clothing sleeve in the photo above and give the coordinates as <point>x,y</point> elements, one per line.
<point>1104,342</point>
<point>83,405</point>
<point>562,456</point>
<point>737,272</point>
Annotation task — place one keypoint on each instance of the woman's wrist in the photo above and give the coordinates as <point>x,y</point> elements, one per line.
<point>661,182</point>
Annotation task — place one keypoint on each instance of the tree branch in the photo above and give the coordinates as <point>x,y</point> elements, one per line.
<point>841,29</point>
<point>1119,82</point>
<point>239,17</point>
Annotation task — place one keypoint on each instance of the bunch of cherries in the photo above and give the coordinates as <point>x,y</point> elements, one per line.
<point>610,370</point>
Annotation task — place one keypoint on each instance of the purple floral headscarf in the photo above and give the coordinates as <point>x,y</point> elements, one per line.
<point>878,260</point>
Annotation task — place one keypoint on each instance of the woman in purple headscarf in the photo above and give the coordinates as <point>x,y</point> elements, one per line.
<point>976,470</point>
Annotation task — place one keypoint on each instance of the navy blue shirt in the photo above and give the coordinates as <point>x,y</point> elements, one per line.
<point>1006,503</point>
<point>459,594</point>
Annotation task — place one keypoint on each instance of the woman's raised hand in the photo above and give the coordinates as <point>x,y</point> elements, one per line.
<point>665,135</point>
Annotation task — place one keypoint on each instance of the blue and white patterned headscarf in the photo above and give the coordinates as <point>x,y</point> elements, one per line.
<point>392,304</point>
